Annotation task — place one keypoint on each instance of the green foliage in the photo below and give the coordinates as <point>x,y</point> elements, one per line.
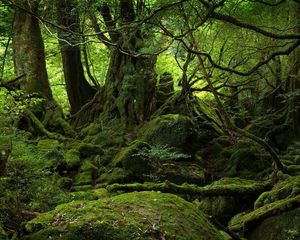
<point>161,153</point>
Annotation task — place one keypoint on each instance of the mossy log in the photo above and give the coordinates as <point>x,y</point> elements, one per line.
<point>254,188</point>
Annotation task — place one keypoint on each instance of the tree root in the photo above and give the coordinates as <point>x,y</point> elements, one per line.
<point>42,128</point>
<point>194,190</point>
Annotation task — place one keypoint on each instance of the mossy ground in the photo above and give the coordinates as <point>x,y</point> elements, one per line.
<point>143,215</point>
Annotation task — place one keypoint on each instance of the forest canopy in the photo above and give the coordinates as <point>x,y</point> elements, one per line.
<point>106,99</point>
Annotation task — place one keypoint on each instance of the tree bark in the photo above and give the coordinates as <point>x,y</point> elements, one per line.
<point>294,78</point>
<point>29,54</point>
<point>78,89</point>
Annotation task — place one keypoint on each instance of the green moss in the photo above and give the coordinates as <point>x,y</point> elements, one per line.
<point>72,159</point>
<point>82,188</point>
<point>284,226</point>
<point>91,129</point>
<point>290,187</point>
<point>47,145</point>
<point>144,215</point>
<point>173,129</point>
<point>83,195</point>
<point>116,175</point>
<point>251,219</point>
<point>220,208</point>
<point>130,161</point>
<point>83,178</point>
<point>223,207</point>
<point>65,182</point>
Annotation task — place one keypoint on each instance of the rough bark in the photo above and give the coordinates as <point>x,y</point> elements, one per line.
<point>29,54</point>
<point>129,90</point>
<point>78,89</point>
<point>294,78</point>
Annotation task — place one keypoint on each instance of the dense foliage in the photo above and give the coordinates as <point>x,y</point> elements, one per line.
<point>104,103</point>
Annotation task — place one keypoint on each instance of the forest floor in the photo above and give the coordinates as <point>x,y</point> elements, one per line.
<point>175,177</point>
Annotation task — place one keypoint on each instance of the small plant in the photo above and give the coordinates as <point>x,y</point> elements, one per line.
<point>157,157</point>
<point>161,153</point>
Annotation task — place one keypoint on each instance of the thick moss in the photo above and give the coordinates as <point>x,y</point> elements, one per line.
<point>72,159</point>
<point>222,207</point>
<point>173,129</point>
<point>116,175</point>
<point>290,187</point>
<point>144,215</point>
<point>143,162</point>
<point>129,159</point>
<point>284,226</point>
<point>252,219</point>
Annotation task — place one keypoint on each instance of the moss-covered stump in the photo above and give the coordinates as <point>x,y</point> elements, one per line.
<point>288,188</point>
<point>3,235</point>
<point>173,129</point>
<point>144,215</point>
<point>282,212</point>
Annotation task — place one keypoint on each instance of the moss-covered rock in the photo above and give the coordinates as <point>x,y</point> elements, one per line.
<point>115,175</point>
<point>290,187</point>
<point>144,215</point>
<point>250,220</point>
<point>143,162</point>
<point>173,129</point>
<point>284,226</point>
<point>72,159</point>
<point>3,235</point>
<point>248,161</point>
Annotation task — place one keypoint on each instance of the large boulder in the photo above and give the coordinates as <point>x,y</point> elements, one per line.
<point>174,130</point>
<point>141,216</point>
<point>278,220</point>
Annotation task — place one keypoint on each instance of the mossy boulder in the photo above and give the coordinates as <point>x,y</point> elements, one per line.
<point>143,215</point>
<point>3,235</point>
<point>87,173</point>
<point>284,226</point>
<point>278,220</point>
<point>248,161</point>
<point>72,159</point>
<point>287,188</point>
<point>115,175</point>
<point>129,158</point>
<point>143,162</point>
<point>175,130</point>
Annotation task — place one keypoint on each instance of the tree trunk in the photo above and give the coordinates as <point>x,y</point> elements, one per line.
<point>294,78</point>
<point>29,54</point>
<point>78,89</point>
<point>129,89</point>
